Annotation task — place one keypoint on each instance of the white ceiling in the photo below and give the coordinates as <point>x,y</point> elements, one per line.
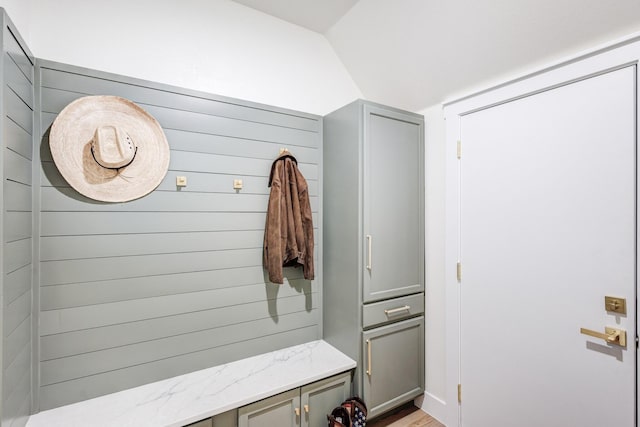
<point>316,15</point>
<point>414,54</point>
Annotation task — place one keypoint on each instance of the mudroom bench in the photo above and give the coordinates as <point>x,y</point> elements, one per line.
<point>219,396</point>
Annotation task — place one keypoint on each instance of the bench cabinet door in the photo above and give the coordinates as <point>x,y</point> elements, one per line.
<point>319,399</point>
<point>278,410</point>
<point>393,371</point>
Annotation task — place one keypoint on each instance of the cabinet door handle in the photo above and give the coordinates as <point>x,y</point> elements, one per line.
<point>369,357</point>
<point>369,252</point>
<point>306,409</point>
<point>297,411</point>
<point>397,310</point>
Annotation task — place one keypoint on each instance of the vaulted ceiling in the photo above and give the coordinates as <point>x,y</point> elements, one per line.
<point>416,53</point>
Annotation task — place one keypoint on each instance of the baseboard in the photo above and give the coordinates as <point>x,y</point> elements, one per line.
<point>433,406</point>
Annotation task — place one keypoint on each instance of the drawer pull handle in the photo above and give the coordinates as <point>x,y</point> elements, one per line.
<point>369,252</point>
<point>369,357</point>
<point>397,310</point>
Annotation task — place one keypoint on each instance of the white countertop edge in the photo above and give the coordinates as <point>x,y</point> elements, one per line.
<point>167,402</point>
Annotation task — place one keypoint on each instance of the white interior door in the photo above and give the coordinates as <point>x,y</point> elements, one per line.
<point>548,229</point>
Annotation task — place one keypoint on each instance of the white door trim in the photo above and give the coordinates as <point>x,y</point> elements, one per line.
<point>615,55</point>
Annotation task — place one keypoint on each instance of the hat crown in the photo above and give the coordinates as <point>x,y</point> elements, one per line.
<point>112,148</point>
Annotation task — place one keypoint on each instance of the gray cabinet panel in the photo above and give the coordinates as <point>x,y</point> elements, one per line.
<point>279,410</point>
<point>394,364</point>
<point>318,399</point>
<point>392,214</point>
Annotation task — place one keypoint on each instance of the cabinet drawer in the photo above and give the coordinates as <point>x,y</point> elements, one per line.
<point>392,310</point>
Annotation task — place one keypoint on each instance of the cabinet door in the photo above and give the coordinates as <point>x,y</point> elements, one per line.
<point>393,371</point>
<point>319,399</point>
<point>279,410</point>
<point>393,216</point>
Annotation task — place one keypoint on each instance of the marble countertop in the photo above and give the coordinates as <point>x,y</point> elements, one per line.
<point>198,395</point>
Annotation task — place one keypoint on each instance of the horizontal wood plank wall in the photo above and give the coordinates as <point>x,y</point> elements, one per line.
<point>17,151</point>
<point>171,283</point>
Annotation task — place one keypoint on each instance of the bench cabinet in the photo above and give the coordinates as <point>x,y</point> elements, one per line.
<point>306,406</point>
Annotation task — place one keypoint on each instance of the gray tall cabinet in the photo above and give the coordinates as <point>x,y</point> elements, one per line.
<point>373,221</point>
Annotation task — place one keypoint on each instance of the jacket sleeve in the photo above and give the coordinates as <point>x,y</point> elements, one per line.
<point>307,227</point>
<point>272,254</point>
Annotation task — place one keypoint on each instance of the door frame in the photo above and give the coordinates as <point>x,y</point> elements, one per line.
<point>614,55</point>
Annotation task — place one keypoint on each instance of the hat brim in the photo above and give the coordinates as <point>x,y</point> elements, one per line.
<point>70,143</point>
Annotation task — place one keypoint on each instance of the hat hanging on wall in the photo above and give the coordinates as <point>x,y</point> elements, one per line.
<point>109,149</point>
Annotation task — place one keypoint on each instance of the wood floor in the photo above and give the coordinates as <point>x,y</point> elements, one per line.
<point>406,416</point>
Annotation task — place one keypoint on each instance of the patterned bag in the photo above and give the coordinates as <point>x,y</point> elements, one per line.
<point>357,410</point>
<point>339,418</point>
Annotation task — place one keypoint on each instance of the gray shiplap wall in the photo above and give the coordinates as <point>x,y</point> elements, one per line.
<point>140,291</point>
<point>17,225</point>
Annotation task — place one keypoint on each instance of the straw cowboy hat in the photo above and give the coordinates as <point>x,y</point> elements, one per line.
<point>109,149</point>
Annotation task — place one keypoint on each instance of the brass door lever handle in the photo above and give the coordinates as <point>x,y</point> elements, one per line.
<point>611,335</point>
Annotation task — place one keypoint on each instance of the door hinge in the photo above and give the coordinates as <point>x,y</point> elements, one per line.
<point>459,152</point>
<point>459,271</point>
<point>459,393</point>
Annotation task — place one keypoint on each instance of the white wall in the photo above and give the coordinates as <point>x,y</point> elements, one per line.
<point>416,53</point>
<point>20,13</point>
<point>435,360</point>
<point>216,46</point>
